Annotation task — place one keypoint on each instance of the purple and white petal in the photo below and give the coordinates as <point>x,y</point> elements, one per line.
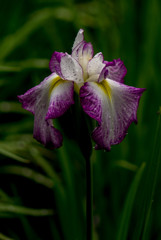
<point>114,106</point>
<point>61,98</point>
<point>33,95</point>
<point>79,38</point>
<point>116,70</point>
<point>53,94</point>
<point>96,68</point>
<point>83,53</point>
<point>54,63</point>
<point>71,69</point>
<point>44,131</point>
<point>66,67</point>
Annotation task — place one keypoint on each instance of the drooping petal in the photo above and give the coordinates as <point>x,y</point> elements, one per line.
<point>96,67</point>
<point>40,100</point>
<point>61,98</point>
<point>114,106</point>
<point>30,98</point>
<point>66,67</point>
<point>79,38</point>
<point>116,70</point>
<point>44,131</point>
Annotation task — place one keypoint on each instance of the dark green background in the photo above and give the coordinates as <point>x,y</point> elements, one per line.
<point>125,203</point>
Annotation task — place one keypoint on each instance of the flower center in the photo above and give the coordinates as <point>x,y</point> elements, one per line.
<point>83,61</point>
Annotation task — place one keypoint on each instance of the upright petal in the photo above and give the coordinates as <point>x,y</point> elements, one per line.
<point>83,53</point>
<point>66,67</point>
<point>96,67</point>
<point>116,70</point>
<point>114,106</point>
<point>79,38</point>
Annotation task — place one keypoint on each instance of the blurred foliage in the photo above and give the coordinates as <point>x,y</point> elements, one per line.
<point>42,192</point>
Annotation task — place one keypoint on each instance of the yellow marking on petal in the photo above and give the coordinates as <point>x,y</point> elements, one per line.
<point>106,88</point>
<point>55,82</point>
<point>76,88</point>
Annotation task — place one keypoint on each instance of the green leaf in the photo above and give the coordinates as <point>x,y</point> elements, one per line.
<point>128,206</point>
<point>126,165</point>
<point>6,152</point>
<point>10,42</point>
<point>24,64</point>
<point>9,208</point>
<point>4,237</point>
<point>28,173</point>
<point>152,175</point>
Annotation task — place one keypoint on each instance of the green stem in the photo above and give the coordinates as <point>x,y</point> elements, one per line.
<point>89,200</point>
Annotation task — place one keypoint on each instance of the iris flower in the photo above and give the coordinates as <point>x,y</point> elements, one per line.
<point>100,85</point>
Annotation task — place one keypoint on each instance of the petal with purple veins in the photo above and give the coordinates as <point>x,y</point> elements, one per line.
<point>83,53</point>
<point>61,98</point>
<point>44,131</point>
<point>79,38</point>
<point>96,67</point>
<point>114,106</point>
<point>33,95</point>
<point>116,70</point>
<point>50,99</point>
<point>66,67</point>
<point>54,63</point>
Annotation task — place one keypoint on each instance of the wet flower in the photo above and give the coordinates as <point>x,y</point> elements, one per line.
<point>100,85</point>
